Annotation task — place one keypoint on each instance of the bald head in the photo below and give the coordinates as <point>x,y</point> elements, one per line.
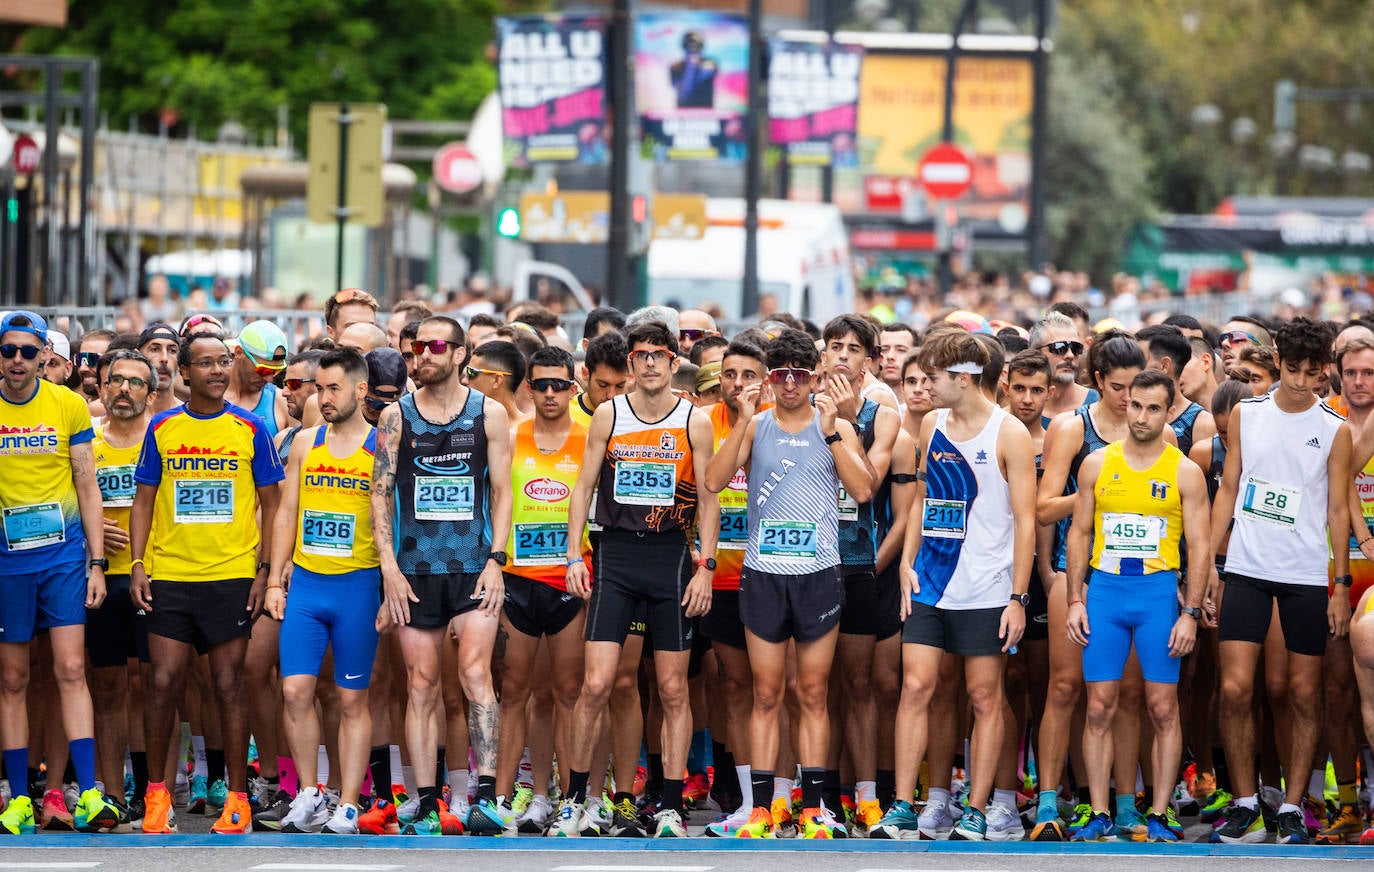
<point>364,336</point>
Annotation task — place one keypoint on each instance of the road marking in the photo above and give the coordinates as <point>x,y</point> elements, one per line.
<point>328,867</point>
<point>631,868</point>
<point>70,865</point>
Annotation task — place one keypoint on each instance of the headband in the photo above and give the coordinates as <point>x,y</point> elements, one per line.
<point>968,366</point>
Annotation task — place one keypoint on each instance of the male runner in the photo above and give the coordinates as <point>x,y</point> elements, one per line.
<point>58,366</point>
<point>299,386</point>
<point>259,357</point>
<point>1286,485</point>
<point>895,343</point>
<point>52,564</point>
<point>92,344</point>
<point>693,324</point>
<point>604,373</point>
<point>1056,336</point>
<point>1135,499</point>
<point>646,452</point>
<point>208,470</point>
<point>1169,351</point>
<point>323,548</point>
<point>160,344</point>
<point>348,306</point>
<point>791,587</point>
<point>440,499</point>
<point>497,369</point>
<point>968,601</point>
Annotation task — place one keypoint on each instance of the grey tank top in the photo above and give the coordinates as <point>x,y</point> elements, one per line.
<point>793,517</point>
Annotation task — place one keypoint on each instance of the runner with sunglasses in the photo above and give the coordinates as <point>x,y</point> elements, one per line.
<point>441,502</point>
<point>52,563</point>
<point>348,306</point>
<point>497,369</point>
<point>1057,337</point>
<point>259,357</point>
<point>1242,332</point>
<point>694,324</point>
<point>386,382</point>
<point>646,452</point>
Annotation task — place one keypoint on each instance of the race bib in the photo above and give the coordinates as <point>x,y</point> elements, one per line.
<point>36,526</point>
<point>944,519</point>
<point>117,486</point>
<point>1126,535</point>
<point>1270,503</point>
<point>639,483</point>
<point>849,507</point>
<point>541,544</point>
<point>204,502</point>
<point>1355,552</point>
<point>444,497</point>
<point>734,529</point>
<point>327,534</point>
<point>788,541</point>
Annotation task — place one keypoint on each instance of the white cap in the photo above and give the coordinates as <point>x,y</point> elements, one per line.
<point>60,344</point>
<point>1040,286</point>
<point>1293,297</point>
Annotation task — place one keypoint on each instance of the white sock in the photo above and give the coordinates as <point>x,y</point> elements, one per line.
<point>198,753</point>
<point>458,784</point>
<point>1251,802</point>
<point>782,787</point>
<point>1287,807</point>
<point>865,791</point>
<point>1004,798</point>
<point>939,794</point>
<point>322,765</point>
<point>1316,785</point>
<point>746,786</point>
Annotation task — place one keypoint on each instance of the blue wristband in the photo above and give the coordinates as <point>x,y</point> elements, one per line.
<point>572,563</point>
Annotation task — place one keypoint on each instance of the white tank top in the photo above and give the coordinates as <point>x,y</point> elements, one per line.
<point>967,531</point>
<point>1280,515</point>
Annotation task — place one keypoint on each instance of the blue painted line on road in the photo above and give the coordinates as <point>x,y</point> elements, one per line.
<point>608,845</point>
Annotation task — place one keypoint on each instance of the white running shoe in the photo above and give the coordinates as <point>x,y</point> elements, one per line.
<point>535,819</point>
<point>565,822</point>
<point>309,812</point>
<point>730,825</point>
<point>668,825</point>
<point>935,821</point>
<point>596,818</point>
<point>345,820</point>
<point>1004,824</point>
<point>406,811</point>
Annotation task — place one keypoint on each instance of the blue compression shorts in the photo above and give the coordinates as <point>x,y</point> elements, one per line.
<point>1126,608</point>
<point>337,610</point>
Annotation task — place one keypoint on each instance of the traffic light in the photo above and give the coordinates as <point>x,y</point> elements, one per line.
<point>508,222</point>
<point>12,209</point>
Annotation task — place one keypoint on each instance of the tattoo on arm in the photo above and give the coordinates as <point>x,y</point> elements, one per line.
<point>384,479</point>
<point>484,728</point>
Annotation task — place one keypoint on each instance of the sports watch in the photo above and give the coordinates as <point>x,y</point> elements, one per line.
<point>1022,598</point>
<point>498,556</point>
<point>709,563</point>
<point>102,562</point>
<point>1192,611</point>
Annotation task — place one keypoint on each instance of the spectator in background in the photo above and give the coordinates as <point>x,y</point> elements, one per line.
<point>223,296</point>
<point>472,298</point>
<point>402,314</point>
<point>159,304</point>
<point>709,349</point>
<point>601,320</point>
<point>768,306</point>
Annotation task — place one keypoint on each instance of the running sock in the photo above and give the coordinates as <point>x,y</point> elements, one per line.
<point>959,762</point>
<point>655,779</point>
<point>782,788</point>
<point>138,765</point>
<point>696,754</point>
<point>458,781</point>
<point>35,778</point>
<point>1316,784</point>
<point>1125,803</point>
<point>1287,807</point>
<point>290,778</point>
<point>1222,771</point>
<point>724,763</point>
<point>198,753</point>
<point>830,790</point>
<point>408,777</point>
<point>440,764</point>
<point>1346,793</point>
<point>938,794</point>
<point>745,780</point>
<point>1085,796</point>
<point>17,761</point>
<point>672,795</point>
<point>760,783</point>
<point>429,800</point>
<point>214,764</point>
<point>82,753</point>
<point>1251,802</point>
<point>814,785</point>
<point>486,788</point>
<point>887,786</point>
<point>1004,798</point>
<point>577,786</point>
<point>623,796</point>
<point>1048,801</point>
<point>865,791</point>
<point>379,764</point>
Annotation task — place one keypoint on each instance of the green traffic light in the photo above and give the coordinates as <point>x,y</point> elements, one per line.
<point>508,223</point>
<point>12,210</point>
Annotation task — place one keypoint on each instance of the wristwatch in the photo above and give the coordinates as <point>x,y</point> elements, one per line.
<point>833,438</point>
<point>1022,598</point>
<point>709,563</point>
<point>102,562</point>
<point>498,556</point>
<point>1341,579</point>
<point>1192,612</point>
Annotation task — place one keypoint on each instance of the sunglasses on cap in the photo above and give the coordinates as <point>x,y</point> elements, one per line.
<point>378,404</point>
<point>28,352</point>
<point>558,385</point>
<point>794,374</point>
<point>296,384</point>
<point>198,320</point>
<point>435,346</point>
<point>1063,347</point>
<point>354,295</point>
<point>473,372</point>
<point>1231,337</point>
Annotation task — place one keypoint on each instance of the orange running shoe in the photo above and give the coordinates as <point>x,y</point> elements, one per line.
<point>237,816</point>
<point>56,818</point>
<point>695,790</point>
<point>449,824</point>
<point>158,817</point>
<point>380,819</point>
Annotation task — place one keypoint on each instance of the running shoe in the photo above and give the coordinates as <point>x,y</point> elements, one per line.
<point>71,793</point>
<point>1171,821</point>
<point>814,825</point>
<point>1366,838</point>
<point>94,814</point>
<point>345,820</point>
<point>625,822</point>
<point>1204,785</point>
<point>668,825</point>
<point>1099,828</point>
<point>260,792</point>
<point>56,817</point>
<point>426,824</point>
<point>936,821</point>
<point>784,822</point>
<point>379,820</point>
<point>199,795</point>
<point>129,785</point>
<point>695,791</point>
<point>1004,824</point>
<point>1183,801</point>
<point>1292,828</point>
<point>565,822</point>
<point>237,816</point>
<point>900,822</point>
<point>838,829</point>
<point>1131,826</point>
<point>650,799</point>
<point>158,816</point>
<point>1082,814</point>
<point>1242,826</point>
<point>309,812</point>
<point>866,816</point>
<point>1158,829</point>
<point>1314,814</point>
<point>1270,798</point>
<point>1214,807</point>
<point>407,807</point>
<point>641,779</point>
<point>1048,827</point>
<point>276,810</point>
<point>596,818</point>
<point>17,818</point>
<point>521,800</point>
<point>449,822</point>
<point>137,809</point>
<point>487,818</point>
<point>1346,826</point>
<point>535,819</point>
<point>216,794</point>
<point>759,825</point>
<point>850,811</point>
<point>972,827</point>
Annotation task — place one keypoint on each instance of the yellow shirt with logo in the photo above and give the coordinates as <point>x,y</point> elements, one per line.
<point>114,472</point>
<point>1139,517</point>
<point>333,520</point>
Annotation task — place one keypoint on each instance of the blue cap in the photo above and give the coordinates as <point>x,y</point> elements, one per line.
<point>35,325</point>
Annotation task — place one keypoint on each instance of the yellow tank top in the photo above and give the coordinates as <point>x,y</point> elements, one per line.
<point>542,486</point>
<point>114,472</point>
<point>333,525</point>
<point>1139,518</point>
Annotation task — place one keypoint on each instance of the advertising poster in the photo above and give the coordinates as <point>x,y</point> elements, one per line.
<point>813,101</point>
<point>901,105</point>
<point>552,73</point>
<point>692,84</point>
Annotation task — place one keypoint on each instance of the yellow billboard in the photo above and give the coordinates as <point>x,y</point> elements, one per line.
<point>901,113</point>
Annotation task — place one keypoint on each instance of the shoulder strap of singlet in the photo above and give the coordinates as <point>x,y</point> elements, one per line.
<point>370,443</point>
<point>321,433</point>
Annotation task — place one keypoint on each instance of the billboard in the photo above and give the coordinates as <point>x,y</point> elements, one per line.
<point>813,101</point>
<point>551,70</point>
<point>692,84</point>
<point>901,112</point>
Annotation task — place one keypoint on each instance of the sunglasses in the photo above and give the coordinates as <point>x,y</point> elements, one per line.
<point>694,334</point>
<point>558,385</point>
<point>355,295</point>
<point>1063,347</point>
<point>28,352</point>
<point>197,320</point>
<point>1234,336</point>
<point>656,355</point>
<point>435,346</point>
<point>296,384</point>
<point>134,382</point>
<point>87,359</point>
<point>377,405</point>
<point>794,374</point>
<point>473,372</point>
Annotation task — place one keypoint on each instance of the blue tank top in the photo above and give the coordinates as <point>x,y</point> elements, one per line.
<point>858,529</point>
<point>793,514</point>
<point>442,520</point>
<point>1183,427</point>
<point>1091,442</point>
<point>266,409</point>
